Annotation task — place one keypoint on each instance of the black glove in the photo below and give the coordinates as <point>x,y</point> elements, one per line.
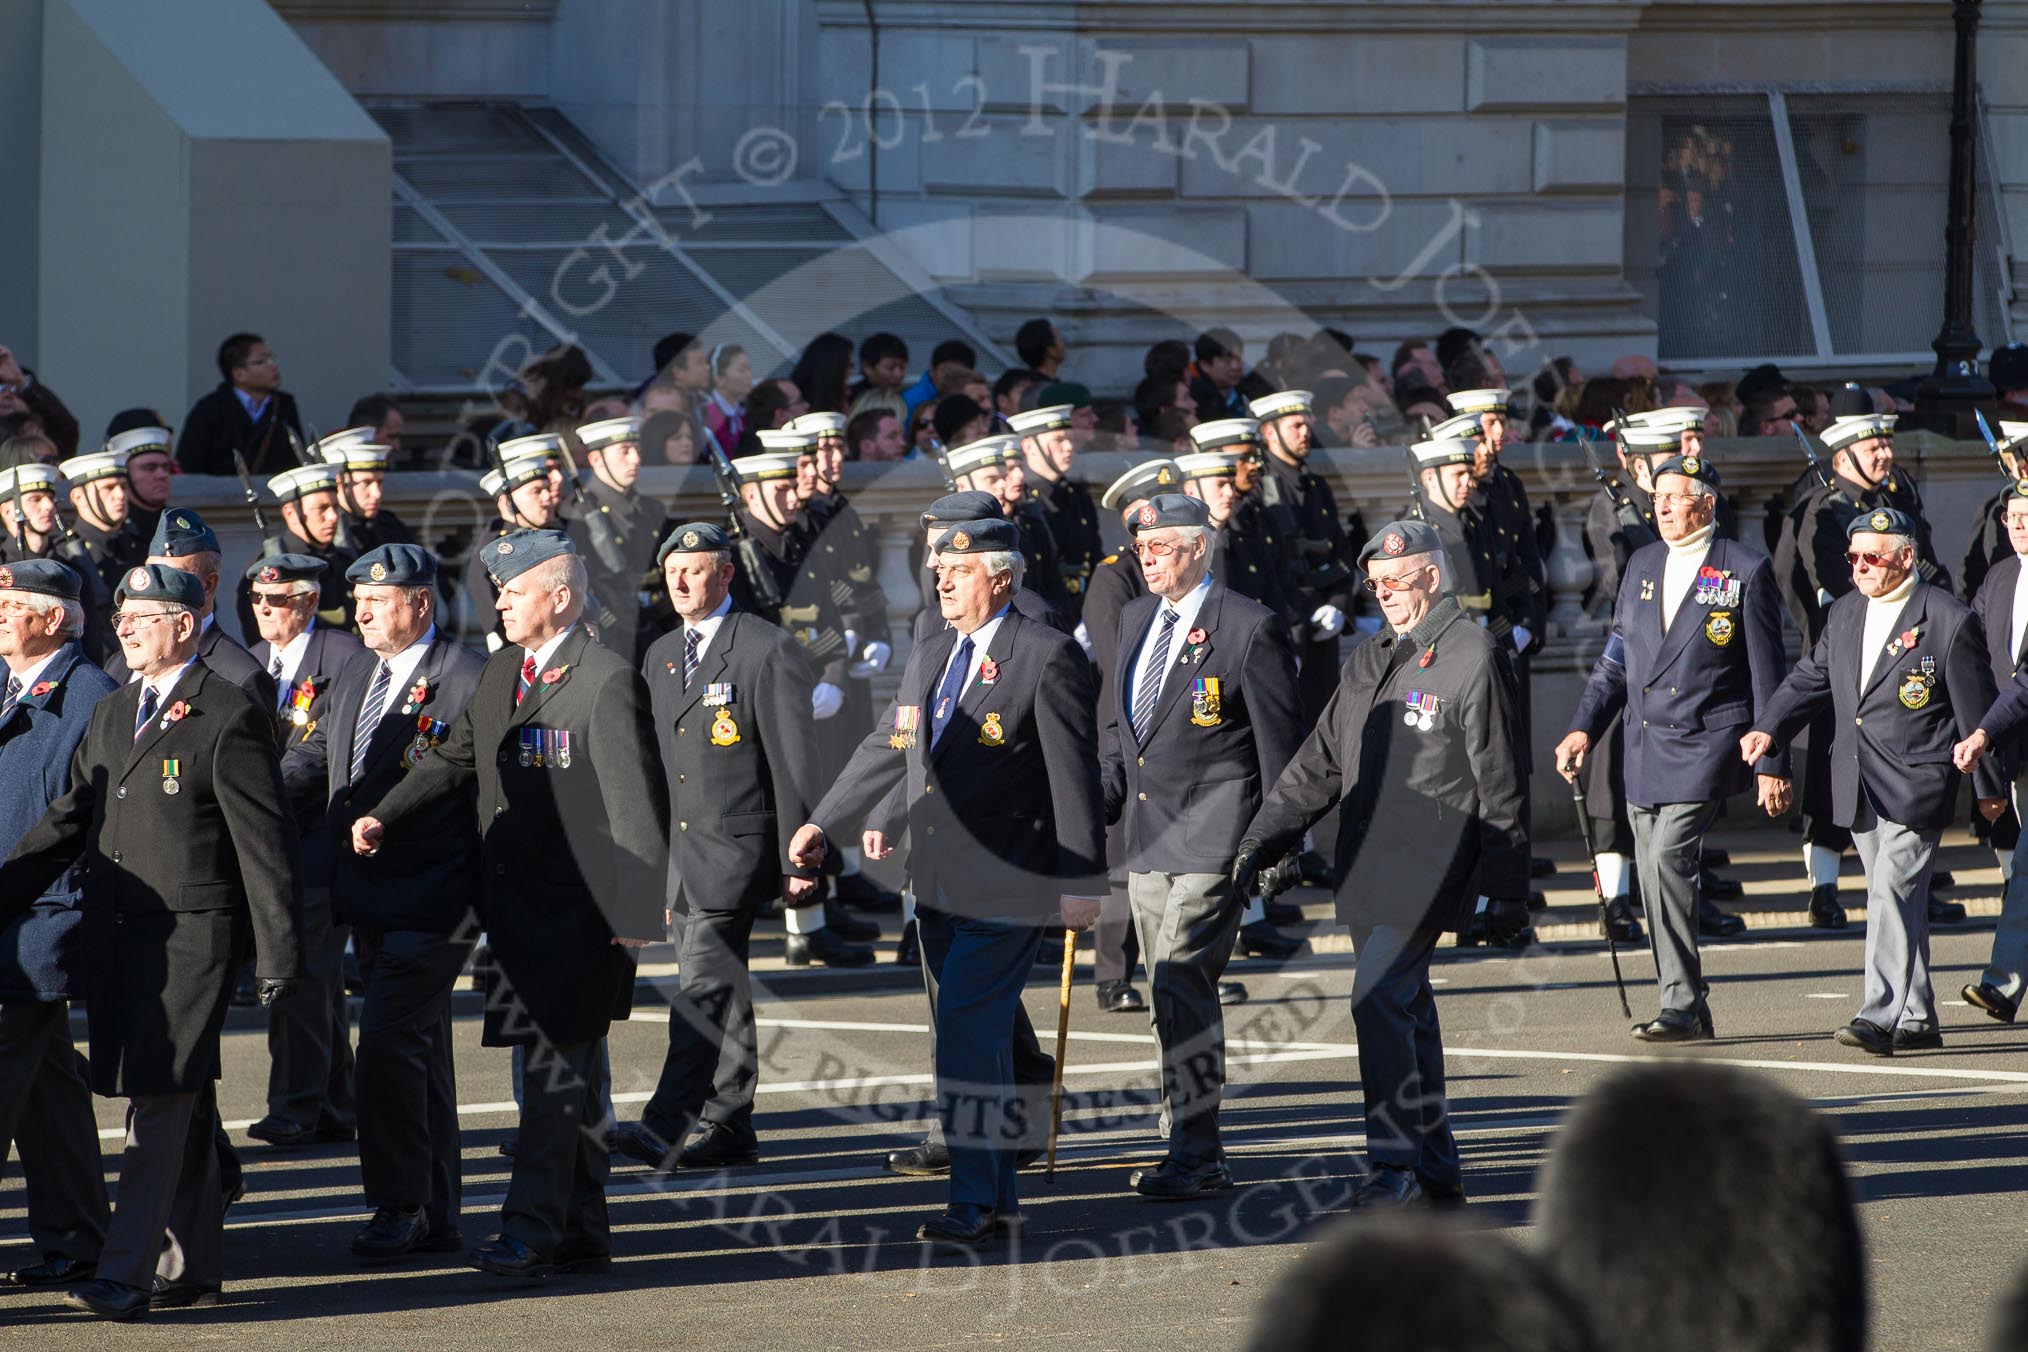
<point>1245,866</point>
<point>270,989</point>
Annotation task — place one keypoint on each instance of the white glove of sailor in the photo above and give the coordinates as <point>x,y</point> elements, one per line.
<point>826,700</point>
<point>873,658</point>
<point>1329,621</point>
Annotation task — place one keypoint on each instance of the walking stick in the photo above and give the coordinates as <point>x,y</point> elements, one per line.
<point>1062,1040</point>
<point>1598,890</point>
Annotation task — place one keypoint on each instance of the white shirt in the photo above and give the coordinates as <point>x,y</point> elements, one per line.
<point>1686,556</point>
<point>1881,613</point>
<point>707,628</point>
<point>2017,623</point>
<point>545,652</point>
<point>400,668</point>
<point>291,654</point>
<point>165,683</point>
<point>1186,609</point>
<point>982,639</point>
<point>27,678</point>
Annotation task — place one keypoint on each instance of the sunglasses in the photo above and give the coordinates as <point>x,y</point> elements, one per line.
<point>1870,560</point>
<point>1393,584</point>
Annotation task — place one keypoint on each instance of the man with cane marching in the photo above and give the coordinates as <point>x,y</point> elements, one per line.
<point>1694,656</point>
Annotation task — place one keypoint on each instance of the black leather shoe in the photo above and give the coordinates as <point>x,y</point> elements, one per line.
<point>506,1256</point>
<point>965,1231</point>
<point>509,1144</point>
<point>1825,912</point>
<point>168,1295</point>
<point>1541,867</point>
<point>1982,996</point>
<point>1117,997</point>
<point>908,953</point>
<point>861,893</point>
<point>1387,1187</point>
<point>1231,993</point>
<point>441,1239</point>
<point>392,1233</point>
<point>1673,1025</point>
<point>334,1133</point>
<point>1507,925</point>
<point>283,1132</point>
<point>1716,888</point>
<point>1867,1036</point>
<point>1538,901</point>
<point>641,1143</point>
<point>1171,1181</point>
<point>56,1272</point>
<point>718,1147</point>
<point>800,950</point>
<point>1714,857</point>
<point>1713,923</point>
<point>109,1299</point>
<point>1918,1040</point>
<point>848,926</point>
<point>1280,913</point>
<point>1442,1196</point>
<point>583,1262</point>
<point>1942,878</point>
<point>1262,940</point>
<point>1618,923</point>
<point>1943,912</point>
<point>1313,869</point>
<point>931,1159</point>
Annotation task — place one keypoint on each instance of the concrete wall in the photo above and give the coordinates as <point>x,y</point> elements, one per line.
<point>203,173</point>
<point>429,48</point>
<point>20,171</point>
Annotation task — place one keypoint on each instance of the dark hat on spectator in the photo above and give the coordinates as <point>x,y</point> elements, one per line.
<point>1148,477</point>
<point>1763,379</point>
<point>1690,467</point>
<point>512,555</point>
<point>1398,539</point>
<point>285,568</point>
<point>2008,368</point>
<point>967,506</point>
<point>1169,509</point>
<point>397,565</point>
<point>180,533</point>
<point>1881,521</point>
<point>160,582</point>
<point>43,577</point>
<point>695,537</point>
<point>990,536</point>
<point>1067,392</point>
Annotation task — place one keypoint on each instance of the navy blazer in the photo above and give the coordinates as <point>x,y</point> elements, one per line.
<point>1994,605</point>
<point>1894,737</point>
<point>324,656</point>
<point>1689,693</point>
<point>1188,791</point>
<point>1003,815</point>
<point>39,952</point>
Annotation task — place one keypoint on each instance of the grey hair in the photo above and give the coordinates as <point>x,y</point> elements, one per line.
<point>302,586</point>
<point>1433,558</point>
<point>1899,542</point>
<point>42,604</point>
<point>1009,561</point>
<point>565,570</point>
<point>1185,534</point>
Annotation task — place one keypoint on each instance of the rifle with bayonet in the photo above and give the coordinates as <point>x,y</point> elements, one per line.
<point>1420,507</point>
<point>1810,454</point>
<point>754,562</point>
<point>1993,445</point>
<point>1635,527</point>
<point>253,499</point>
<point>942,456</point>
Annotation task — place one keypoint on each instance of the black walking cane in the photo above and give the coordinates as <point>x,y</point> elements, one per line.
<point>1598,890</point>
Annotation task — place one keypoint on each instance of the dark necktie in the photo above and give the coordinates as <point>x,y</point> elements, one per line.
<point>527,680</point>
<point>952,686</point>
<point>148,701</point>
<point>13,693</point>
<point>369,719</point>
<point>1149,688</point>
<point>689,657</point>
<point>281,691</point>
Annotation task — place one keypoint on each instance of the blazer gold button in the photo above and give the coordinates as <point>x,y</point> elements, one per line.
<point>681,780</point>
<point>1144,797</point>
<point>682,826</point>
<point>122,793</point>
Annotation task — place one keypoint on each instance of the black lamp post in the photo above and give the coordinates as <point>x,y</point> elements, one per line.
<point>1957,385</point>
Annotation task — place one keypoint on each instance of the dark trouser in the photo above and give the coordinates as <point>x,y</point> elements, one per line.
<point>1605,792</point>
<point>1318,661</point>
<point>1187,922</point>
<point>1668,855</point>
<point>1820,827</point>
<point>1034,1069</point>
<point>556,1197</point>
<point>1401,1053</point>
<point>1116,948</point>
<point>408,1092</point>
<point>310,1036</point>
<point>713,1063</point>
<point>168,1222</point>
<point>978,969</point>
<point>46,1110</point>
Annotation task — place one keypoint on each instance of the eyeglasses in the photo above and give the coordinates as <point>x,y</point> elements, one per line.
<point>128,619</point>
<point>1871,560</point>
<point>1396,584</point>
<point>1679,499</point>
<point>1156,549</point>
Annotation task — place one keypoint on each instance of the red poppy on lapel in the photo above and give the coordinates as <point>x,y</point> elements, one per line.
<point>41,688</point>
<point>989,672</point>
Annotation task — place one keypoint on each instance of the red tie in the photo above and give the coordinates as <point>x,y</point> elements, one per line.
<point>527,679</point>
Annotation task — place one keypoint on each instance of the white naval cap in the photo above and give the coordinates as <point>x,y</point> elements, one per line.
<point>1040,419</point>
<point>768,464</point>
<point>291,484</point>
<point>35,477</point>
<point>993,450</point>
<point>139,439</point>
<point>354,448</point>
<point>596,436</point>
<point>1858,427</point>
<point>1457,427</point>
<point>1442,451</point>
<point>83,469</point>
<point>1480,401</point>
<point>1210,464</point>
<point>819,424</point>
<point>1209,436</point>
<point>1160,475</point>
<point>1281,404</point>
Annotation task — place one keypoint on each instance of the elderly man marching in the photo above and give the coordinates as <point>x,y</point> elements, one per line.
<point>1902,666</point>
<point>1205,715</point>
<point>1416,750</point>
<point>1695,650</point>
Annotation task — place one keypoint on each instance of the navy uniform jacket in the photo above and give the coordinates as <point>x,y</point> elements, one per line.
<point>633,527</point>
<point>1814,543</point>
<point>741,760</point>
<point>1302,518</point>
<point>1187,792</point>
<point>1689,694</point>
<point>573,851</point>
<point>1115,584</point>
<point>1894,738</point>
<point>426,880</point>
<point>1429,818</point>
<point>174,881</point>
<point>1989,547</point>
<point>1003,817</point>
<point>39,957</point>
<point>1522,581</point>
<point>1994,605</point>
<point>1065,506</point>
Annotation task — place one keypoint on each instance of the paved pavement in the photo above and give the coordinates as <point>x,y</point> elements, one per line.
<point>813,1249</point>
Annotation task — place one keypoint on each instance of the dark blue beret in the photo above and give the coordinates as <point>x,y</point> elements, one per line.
<point>181,533</point>
<point>968,506</point>
<point>44,577</point>
<point>286,568</point>
<point>694,537</point>
<point>1397,539</point>
<point>1690,467</point>
<point>160,582</point>
<point>1169,509</point>
<point>394,566</point>
<point>512,555</point>
<point>990,536</point>
<point>1881,521</point>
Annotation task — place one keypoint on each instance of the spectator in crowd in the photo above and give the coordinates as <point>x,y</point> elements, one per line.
<point>669,438</point>
<point>1765,377</point>
<point>1221,361</point>
<point>1010,390</point>
<point>1813,407</point>
<point>1415,366</point>
<point>1171,430</point>
<point>1041,348</point>
<point>1113,426</point>
<point>725,404</point>
<point>875,435</point>
<point>949,370</point>
<point>1747,1241</point>
<point>1724,394</point>
<point>249,412</point>
<point>1159,392</point>
<point>1276,369</point>
<point>27,448</point>
<point>1600,401</point>
<point>1635,366</point>
<point>1341,408</point>
<point>824,372</point>
<point>1558,386</point>
<point>1769,413</point>
<point>969,383</point>
<point>1376,374</point>
<point>1408,1282</point>
<point>1720,422</point>
<point>958,421</point>
<point>1466,362</point>
<point>883,365</point>
<point>2008,370</point>
<point>770,406</point>
<point>384,416</point>
<point>1170,357</point>
<point>1417,403</point>
<point>21,392</point>
<point>922,432</point>
<point>682,379</point>
<point>1083,418</point>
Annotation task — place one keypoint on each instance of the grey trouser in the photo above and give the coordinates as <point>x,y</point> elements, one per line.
<point>1897,862</point>
<point>168,1222</point>
<point>2007,973</point>
<point>1186,923</point>
<point>1668,844</point>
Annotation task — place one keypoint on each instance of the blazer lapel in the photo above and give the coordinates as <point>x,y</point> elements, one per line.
<point>1689,615</point>
<point>395,728</point>
<point>1180,676</point>
<point>158,726</point>
<point>2003,608</point>
<point>1912,612</point>
<point>717,657</point>
<point>1122,685</point>
<point>563,660</point>
<point>979,689</point>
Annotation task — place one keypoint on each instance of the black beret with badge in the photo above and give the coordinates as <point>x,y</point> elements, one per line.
<point>1399,539</point>
<point>991,536</point>
<point>695,537</point>
<point>1690,467</point>
<point>1169,509</point>
<point>43,577</point>
<point>181,533</point>
<point>512,555</point>
<point>1881,521</point>
<point>285,568</point>
<point>394,565</point>
<point>972,505</point>
<point>160,582</point>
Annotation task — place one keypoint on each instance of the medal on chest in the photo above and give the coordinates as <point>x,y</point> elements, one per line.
<point>1206,702</point>
<point>991,733</point>
<point>1917,684</point>
<point>724,732</point>
<point>1421,712</point>
<point>1718,627</point>
<point>907,720</point>
<point>300,701</point>
<point>172,770</point>
<point>717,694</point>
<point>428,732</point>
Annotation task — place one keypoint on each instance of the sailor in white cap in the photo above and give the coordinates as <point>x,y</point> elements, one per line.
<point>1302,515</point>
<point>1050,446</point>
<point>311,525</point>
<point>36,529</point>
<point>151,468</point>
<point>98,502</point>
<point>617,530</point>
<point>524,498</point>
<point>362,462</point>
<point>1991,542</point>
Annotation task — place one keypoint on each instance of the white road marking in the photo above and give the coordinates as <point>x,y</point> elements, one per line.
<point>1827,995</point>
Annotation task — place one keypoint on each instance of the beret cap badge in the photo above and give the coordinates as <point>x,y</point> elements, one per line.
<point>960,540</point>
<point>138,580</point>
<point>1393,544</point>
<point>377,572</point>
<point>690,539</point>
<point>270,573</point>
<point>1881,521</point>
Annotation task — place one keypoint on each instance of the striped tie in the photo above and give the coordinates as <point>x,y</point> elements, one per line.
<point>148,701</point>
<point>1152,672</point>
<point>689,657</point>
<point>7,701</point>
<point>369,719</point>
